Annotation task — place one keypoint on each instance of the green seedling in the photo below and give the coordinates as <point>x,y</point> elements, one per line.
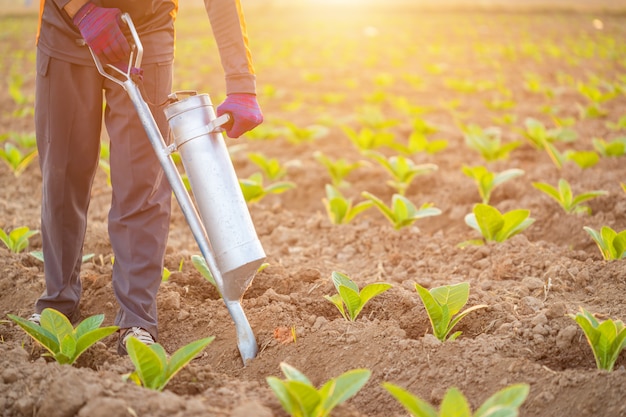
<point>402,169</point>
<point>495,226</point>
<point>538,134</point>
<point>300,398</point>
<point>443,305</point>
<point>566,199</point>
<point>348,294</point>
<point>487,181</point>
<point>619,125</point>
<point>373,118</point>
<point>17,239</point>
<point>297,135</point>
<point>607,338</point>
<point>612,244</point>
<point>488,142</point>
<point>340,209</point>
<point>37,254</point>
<point>596,96</point>
<point>402,211</point>
<point>615,147</point>
<point>504,403</point>
<point>165,276</point>
<point>338,169</point>
<point>16,159</point>
<point>584,159</point>
<point>153,369</point>
<point>368,139</point>
<point>271,167</point>
<point>265,132</point>
<point>63,342</point>
<point>419,142</point>
<point>254,190</point>
<point>201,266</point>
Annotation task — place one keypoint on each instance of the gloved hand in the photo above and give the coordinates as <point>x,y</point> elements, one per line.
<point>245,112</point>
<point>100,29</point>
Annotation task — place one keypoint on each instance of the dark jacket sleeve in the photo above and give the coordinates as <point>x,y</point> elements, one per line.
<point>229,29</point>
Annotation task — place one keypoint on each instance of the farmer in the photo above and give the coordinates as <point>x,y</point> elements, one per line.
<point>68,119</point>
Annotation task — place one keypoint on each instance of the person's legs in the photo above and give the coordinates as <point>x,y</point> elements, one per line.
<point>68,118</point>
<point>141,202</point>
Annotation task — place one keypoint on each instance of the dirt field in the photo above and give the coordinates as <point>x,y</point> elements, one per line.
<point>341,67</point>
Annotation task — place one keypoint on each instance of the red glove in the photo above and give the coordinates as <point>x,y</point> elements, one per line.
<point>245,112</point>
<point>101,31</point>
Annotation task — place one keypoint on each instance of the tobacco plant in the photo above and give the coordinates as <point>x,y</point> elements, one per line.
<point>297,135</point>
<point>63,342</point>
<point>402,211</point>
<point>495,226</point>
<point>504,403</point>
<point>486,180</point>
<point>539,135</point>
<point>271,167</point>
<point>201,266</point>
<point>402,169</point>
<point>615,147</point>
<point>338,169</point>
<point>253,189</point>
<point>16,159</point>
<point>340,209</point>
<point>153,369</point>
<point>612,244</point>
<point>566,199</point>
<point>443,305</point>
<point>368,139</point>
<point>488,142</point>
<point>348,294</point>
<point>17,239</point>
<point>299,397</point>
<point>607,338</point>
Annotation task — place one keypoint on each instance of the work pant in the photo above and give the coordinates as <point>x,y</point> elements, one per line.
<point>68,121</point>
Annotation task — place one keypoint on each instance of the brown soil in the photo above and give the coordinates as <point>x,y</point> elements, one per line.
<point>530,282</point>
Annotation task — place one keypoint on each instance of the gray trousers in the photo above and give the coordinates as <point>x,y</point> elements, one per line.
<point>68,122</point>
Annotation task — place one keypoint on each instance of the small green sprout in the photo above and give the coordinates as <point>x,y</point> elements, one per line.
<point>504,403</point>
<point>584,159</point>
<point>37,254</point>
<point>402,169</point>
<point>539,135</point>
<point>153,370</point>
<point>17,239</point>
<point>566,199</point>
<point>419,142</point>
<point>254,190</point>
<point>16,159</point>
<point>338,169</point>
<point>369,139</point>
<point>615,147</point>
<point>201,266</point>
<point>402,211</point>
<point>348,293</point>
<point>372,117</point>
<point>300,398</point>
<point>488,142</point>
<point>442,305</point>
<point>63,342</point>
<point>607,338</point>
<point>340,209</point>
<point>296,134</point>
<point>271,167</point>
<point>165,276</point>
<point>495,226</point>
<point>612,245</point>
<point>486,180</point>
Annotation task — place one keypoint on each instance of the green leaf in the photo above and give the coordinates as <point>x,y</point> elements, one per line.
<point>434,310</point>
<point>67,349</point>
<point>454,404</point>
<point>458,318</point>
<point>346,386</point>
<point>56,323</point>
<point>413,404</point>
<point>352,301</point>
<point>515,221</point>
<point>149,364</point>
<point>293,374</point>
<point>338,302</point>
<point>89,338</point>
<point>512,396</point>
<point>489,220</point>
<point>372,290</point>
<point>454,296</point>
<point>306,397</point>
<point>285,398</point>
<point>90,323</point>
<point>47,339</point>
<point>184,355</point>
<point>340,279</point>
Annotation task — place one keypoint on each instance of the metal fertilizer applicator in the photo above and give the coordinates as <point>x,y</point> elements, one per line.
<point>223,228</point>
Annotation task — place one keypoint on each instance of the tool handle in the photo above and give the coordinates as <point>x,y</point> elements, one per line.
<point>134,60</point>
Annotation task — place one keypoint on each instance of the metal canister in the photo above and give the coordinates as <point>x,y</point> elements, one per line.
<point>222,207</point>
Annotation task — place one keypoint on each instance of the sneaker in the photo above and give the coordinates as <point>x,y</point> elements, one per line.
<point>35,318</point>
<point>143,335</point>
